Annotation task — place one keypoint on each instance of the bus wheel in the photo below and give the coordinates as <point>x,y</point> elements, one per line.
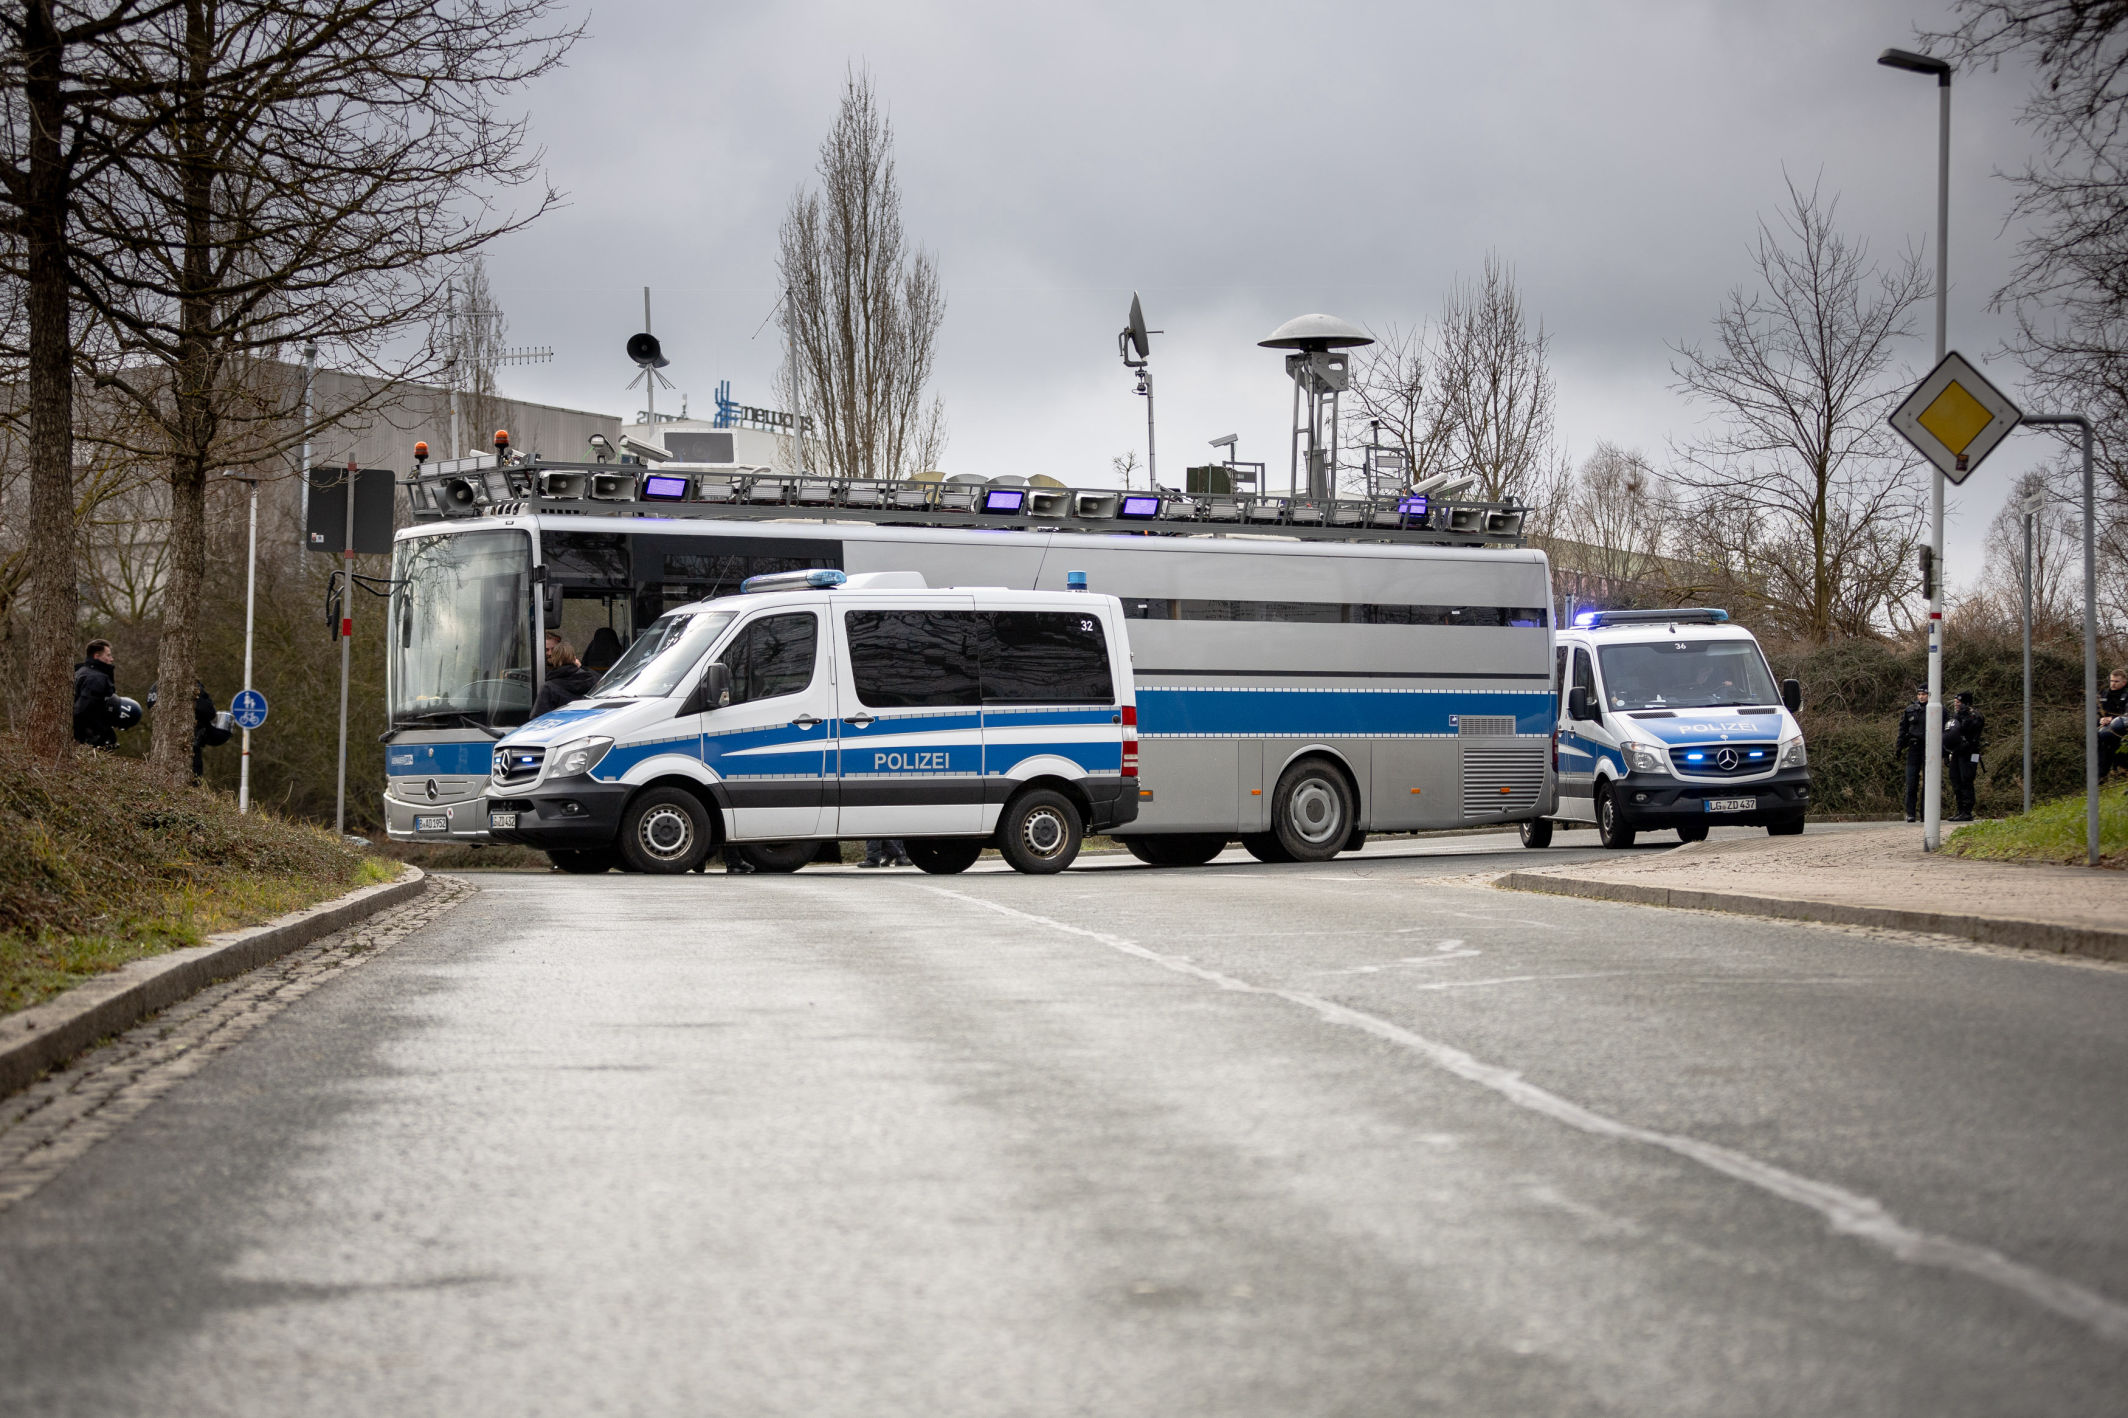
<point>778,857</point>
<point>664,831</point>
<point>590,862</point>
<point>1040,832</point>
<point>943,856</point>
<point>1537,832</point>
<point>1179,849</point>
<point>1265,847</point>
<point>1697,832</point>
<point>1611,829</point>
<point>1311,812</point>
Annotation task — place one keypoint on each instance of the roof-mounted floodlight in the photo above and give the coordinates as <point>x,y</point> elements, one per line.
<point>648,451</point>
<point>820,578</point>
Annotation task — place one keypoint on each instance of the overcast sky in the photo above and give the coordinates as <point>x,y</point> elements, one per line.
<point>1239,166</point>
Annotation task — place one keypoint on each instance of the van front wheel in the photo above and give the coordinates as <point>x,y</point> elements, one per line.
<point>1537,832</point>
<point>1040,832</point>
<point>1611,829</point>
<point>665,831</point>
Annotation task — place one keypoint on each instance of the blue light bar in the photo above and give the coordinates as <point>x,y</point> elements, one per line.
<point>1004,499</point>
<point>1074,580</point>
<point>1687,615</point>
<point>820,578</point>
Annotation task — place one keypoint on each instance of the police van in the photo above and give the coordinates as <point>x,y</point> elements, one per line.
<point>1671,719</point>
<point>815,706</point>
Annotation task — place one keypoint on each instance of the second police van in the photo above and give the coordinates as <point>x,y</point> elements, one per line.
<point>815,706</point>
<point>1672,720</point>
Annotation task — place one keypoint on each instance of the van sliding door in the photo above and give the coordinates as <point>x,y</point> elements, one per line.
<point>909,722</point>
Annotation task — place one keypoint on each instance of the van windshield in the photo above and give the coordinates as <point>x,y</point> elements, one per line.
<point>662,655</point>
<point>1687,674</point>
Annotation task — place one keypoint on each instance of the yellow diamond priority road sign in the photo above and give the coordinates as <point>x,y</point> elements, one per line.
<point>1955,417</point>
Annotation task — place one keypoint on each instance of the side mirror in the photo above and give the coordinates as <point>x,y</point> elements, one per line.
<point>1792,695</point>
<point>714,691</point>
<point>1578,703</point>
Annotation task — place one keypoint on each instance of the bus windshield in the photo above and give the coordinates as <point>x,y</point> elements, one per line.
<point>662,655</point>
<point>1686,674</point>
<point>460,622</point>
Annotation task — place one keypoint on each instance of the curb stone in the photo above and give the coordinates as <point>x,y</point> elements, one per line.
<point>46,1035</point>
<point>2090,942</point>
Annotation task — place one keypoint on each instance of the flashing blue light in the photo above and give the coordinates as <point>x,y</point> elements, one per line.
<point>1074,580</point>
<point>1694,757</point>
<point>820,578</point>
<point>1586,618</point>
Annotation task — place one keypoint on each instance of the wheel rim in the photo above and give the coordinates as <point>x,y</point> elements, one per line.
<point>1316,812</point>
<point>666,833</point>
<point>1044,832</point>
<point>1610,817</point>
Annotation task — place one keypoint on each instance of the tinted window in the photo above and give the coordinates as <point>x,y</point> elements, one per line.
<point>913,659</point>
<point>1044,657</point>
<point>1585,677</point>
<point>772,656</point>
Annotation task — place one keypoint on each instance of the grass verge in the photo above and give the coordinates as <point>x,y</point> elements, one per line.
<point>2051,832</point>
<point>103,861</point>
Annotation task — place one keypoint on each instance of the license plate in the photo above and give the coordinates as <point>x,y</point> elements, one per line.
<point>1732,804</point>
<point>430,824</point>
<point>502,819</point>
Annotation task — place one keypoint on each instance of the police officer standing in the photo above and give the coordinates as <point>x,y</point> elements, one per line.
<point>1961,746</point>
<point>1913,748</point>
<point>2112,721</point>
<point>96,705</point>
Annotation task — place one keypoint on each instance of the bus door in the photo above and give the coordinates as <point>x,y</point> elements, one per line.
<point>772,745</point>
<point>909,730</point>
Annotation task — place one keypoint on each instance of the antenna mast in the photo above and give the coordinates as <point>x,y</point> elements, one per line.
<point>1132,341</point>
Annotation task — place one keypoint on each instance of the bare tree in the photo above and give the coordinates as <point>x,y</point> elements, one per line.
<point>1392,387</point>
<point>2057,558</point>
<point>1496,392</point>
<point>473,348</point>
<point>309,170</point>
<point>1804,493</point>
<point>862,308</point>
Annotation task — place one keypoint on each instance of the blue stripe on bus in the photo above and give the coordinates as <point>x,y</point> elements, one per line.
<point>425,760</point>
<point>1318,713</point>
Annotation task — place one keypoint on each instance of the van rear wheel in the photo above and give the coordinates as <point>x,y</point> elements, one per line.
<point>1178,849</point>
<point>943,856</point>
<point>664,831</point>
<point>1040,832</point>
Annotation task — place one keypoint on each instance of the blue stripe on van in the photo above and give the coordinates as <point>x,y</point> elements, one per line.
<point>1320,713</point>
<point>1004,758</point>
<point>451,760</point>
<point>1021,718</point>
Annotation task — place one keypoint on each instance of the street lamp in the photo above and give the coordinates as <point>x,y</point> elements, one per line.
<point>1932,768</point>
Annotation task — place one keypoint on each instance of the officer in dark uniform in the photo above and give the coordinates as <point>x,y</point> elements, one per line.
<point>2112,721</point>
<point>1913,748</point>
<point>1961,747</point>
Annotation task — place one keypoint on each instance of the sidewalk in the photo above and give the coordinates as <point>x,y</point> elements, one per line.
<point>1872,877</point>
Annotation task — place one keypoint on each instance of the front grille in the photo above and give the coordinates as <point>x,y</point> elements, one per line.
<point>1496,725</point>
<point>517,765</point>
<point>1497,780</point>
<point>1724,760</point>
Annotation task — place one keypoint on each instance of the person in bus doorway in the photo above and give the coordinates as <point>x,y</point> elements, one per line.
<point>1912,747</point>
<point>2112,721</point>
<point>1961,745</point>
<point>567,679</point>
<point>96,705</point>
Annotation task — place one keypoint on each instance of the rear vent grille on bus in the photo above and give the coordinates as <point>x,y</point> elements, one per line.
<point>1496,725</point>
<point>1498,780</point>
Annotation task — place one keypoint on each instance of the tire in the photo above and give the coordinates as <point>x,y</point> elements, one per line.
<point>1610,821</point>
<point>664,832</point>
<point>1793,827</point>
<point>1537,832</point>
<point>1181,849</point>
<point>1265,847</point>
<point>593,861</point>
<point>778,858</point>
<point>1357,842</point>
<point>943,856</point>
<point>1040,832</point>
<point>1697,832</point>
<point>1312,811</point>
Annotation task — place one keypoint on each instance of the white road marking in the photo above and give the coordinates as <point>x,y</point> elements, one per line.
<point>1848,1213</point>
<point>1443,952</point>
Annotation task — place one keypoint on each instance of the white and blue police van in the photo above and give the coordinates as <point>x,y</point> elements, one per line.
<point>816,706</point>
<point>1672,720</point>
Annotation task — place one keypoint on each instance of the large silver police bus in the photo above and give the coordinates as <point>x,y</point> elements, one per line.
<point>1307,672</point>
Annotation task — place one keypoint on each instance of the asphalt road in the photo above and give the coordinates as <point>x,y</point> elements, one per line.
<point>1361,1138</point>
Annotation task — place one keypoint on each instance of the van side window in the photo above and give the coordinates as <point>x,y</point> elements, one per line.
<point>1585,674</point>
<point>1044,657</point>
<point>913,659</point>
<point>772,656</point>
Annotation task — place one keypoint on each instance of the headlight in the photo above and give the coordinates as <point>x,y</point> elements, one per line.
<point>1794,755</point>
<point>1645,758</point>
<point>576,757</point>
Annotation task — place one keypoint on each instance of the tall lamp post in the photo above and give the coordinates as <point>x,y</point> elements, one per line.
<point>1932,767</point>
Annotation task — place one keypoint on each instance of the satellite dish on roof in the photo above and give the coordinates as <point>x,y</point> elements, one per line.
<point>643,349</point>
<point>1135,332</point>
<point>1316,332</point>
